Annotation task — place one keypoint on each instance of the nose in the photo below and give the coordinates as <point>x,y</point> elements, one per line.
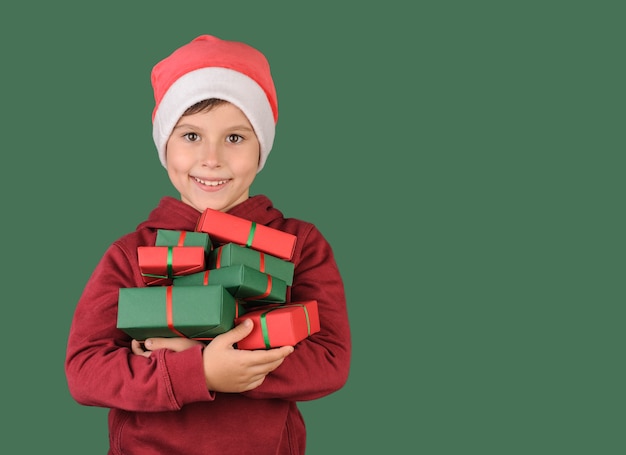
<point>211,154</point>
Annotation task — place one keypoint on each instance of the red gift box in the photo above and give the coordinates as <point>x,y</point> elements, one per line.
<point>160,264</point>
<point>280,325</point>
<point>226,228</point>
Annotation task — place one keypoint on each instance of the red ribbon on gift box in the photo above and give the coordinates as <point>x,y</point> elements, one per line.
<point>169,311</point>
<point>268,289</point>
<point>169,314</point>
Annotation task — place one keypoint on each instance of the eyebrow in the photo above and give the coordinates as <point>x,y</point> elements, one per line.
<point>235,127</point>
<point>183,125</point>
<point>241,127</point>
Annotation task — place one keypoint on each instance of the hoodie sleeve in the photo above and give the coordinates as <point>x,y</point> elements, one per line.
<point>101,369</point>
<point>320,363</point>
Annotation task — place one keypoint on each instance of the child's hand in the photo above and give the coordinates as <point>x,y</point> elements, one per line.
<point>152,344</point>
<point>227,369</point>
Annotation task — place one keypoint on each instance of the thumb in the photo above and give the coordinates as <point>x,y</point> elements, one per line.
<point>238,333</point>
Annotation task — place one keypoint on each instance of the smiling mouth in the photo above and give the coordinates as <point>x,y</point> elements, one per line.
<point>210,182</point>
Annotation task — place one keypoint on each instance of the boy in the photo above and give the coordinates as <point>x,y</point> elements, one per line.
<point>213,126</point>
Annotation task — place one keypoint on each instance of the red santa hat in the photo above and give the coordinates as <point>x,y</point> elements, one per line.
<point>209,67</point>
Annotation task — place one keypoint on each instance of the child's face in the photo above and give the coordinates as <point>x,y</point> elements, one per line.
<point>213,158</point>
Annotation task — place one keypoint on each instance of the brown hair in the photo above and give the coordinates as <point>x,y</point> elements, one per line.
<point>204,106</point>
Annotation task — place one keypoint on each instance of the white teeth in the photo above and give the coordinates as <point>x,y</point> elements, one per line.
<point>204,182</point>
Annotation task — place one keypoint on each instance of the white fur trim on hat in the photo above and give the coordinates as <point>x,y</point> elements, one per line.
<point>215,82</point>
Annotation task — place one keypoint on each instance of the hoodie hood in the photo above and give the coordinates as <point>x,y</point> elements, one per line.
<point>174,214</point>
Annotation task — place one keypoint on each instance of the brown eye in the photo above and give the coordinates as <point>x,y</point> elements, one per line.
<point>234,138</point>
<point>191,137</point>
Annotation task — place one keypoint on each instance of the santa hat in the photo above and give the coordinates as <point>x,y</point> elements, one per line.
<point>209,67</point>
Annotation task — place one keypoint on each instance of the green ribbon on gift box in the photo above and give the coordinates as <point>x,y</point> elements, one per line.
<point>251,235</point>
<point>170,266</point>
<point>264,329</point>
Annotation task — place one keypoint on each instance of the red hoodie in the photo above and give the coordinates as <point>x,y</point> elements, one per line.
<point>160,405</point>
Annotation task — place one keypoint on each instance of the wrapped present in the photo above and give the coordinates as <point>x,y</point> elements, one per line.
<point>226,228</point>
<point>242,282</point>
<point>167,237</point>
<point>280,325</point>
<point>198,312</point>
<point>232,254</point>
<point>160,264</point>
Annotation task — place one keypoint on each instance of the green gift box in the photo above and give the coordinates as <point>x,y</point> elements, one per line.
<point>167,237</point>
<point>242,281</point>
<point>199,312</point>
<point>231,254</point>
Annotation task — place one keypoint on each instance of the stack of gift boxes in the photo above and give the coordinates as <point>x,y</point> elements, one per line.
<point>202,283</point>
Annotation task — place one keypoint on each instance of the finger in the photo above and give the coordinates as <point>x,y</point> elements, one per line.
<point>284,351</point>
<point>177,344</point>
<point>137,349</point>
<point>257,379</point>
<point>264,362</point>
<point>236,334</point>
<point>254,383</point>
<point>271,355</point>
<point>279,354</point>
<point>272,365</point>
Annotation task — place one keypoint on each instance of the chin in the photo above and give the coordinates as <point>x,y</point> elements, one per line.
<point>218,207</point>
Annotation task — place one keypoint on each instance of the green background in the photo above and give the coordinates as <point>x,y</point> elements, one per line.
<point>465,160</point>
